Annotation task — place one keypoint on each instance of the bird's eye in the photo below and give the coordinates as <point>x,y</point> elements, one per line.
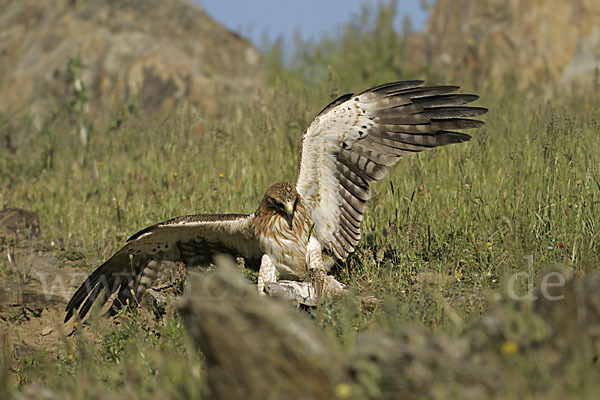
<point>277,203</point>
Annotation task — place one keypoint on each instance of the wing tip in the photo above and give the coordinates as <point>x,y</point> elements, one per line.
<point>455,137</point>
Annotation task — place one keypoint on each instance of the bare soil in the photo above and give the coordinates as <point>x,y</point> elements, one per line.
<point>35,287</point>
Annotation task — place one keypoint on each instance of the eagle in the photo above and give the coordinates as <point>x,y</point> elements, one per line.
<point>298,231</point>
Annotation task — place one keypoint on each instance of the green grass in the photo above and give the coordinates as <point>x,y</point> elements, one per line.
<point>444,229</point>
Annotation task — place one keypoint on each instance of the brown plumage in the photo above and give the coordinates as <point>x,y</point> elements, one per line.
<point>274,201</point>
<point>281,233</point>
<point>297,231</point>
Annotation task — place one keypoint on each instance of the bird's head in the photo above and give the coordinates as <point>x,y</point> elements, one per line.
<point>282,199</point>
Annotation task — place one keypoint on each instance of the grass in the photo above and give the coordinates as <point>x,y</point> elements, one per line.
<point>443,231</point>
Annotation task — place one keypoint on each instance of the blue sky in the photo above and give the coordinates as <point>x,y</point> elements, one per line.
<point>255,19</point>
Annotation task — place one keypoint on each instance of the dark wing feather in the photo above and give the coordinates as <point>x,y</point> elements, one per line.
<point>356,138</point>
<point>192,239</point>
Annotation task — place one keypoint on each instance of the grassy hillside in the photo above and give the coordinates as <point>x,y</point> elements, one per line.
<point>443,231</point>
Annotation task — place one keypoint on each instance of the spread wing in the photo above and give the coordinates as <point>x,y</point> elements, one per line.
<point>192,239</point>
<point>356,138</point>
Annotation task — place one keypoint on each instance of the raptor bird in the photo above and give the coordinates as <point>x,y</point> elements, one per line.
<point>298,232</point>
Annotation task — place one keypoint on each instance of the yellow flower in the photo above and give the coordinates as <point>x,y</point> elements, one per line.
<point>509,347</point>
<point>489,244</point>
<point>458,275</point>
<point>343,391</point>
<point>175,174</point>
<point>221,175</point>
<point>579,181</point>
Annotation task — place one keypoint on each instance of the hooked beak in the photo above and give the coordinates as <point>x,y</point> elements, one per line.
<point>289,214</point>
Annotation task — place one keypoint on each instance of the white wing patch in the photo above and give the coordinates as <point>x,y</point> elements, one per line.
<point>353,141</point>
<point>319,186</point>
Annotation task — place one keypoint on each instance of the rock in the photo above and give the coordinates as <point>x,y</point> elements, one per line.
<point>261,347</point>
<point>530,41</point>
<point>157,53</point>
<point>47,330</point>
<point>256,347</point>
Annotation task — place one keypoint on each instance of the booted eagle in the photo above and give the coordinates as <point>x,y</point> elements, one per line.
<point>298,231</point>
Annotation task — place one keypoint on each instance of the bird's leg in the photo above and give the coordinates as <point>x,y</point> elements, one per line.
<point>321,282</point>
<point>309,292</point>
<point>301,292</point>
<point>316,267</point>
<point>266,274</point>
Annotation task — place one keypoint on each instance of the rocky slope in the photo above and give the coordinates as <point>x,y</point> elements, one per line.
<point>531,40</point>
<point>154,52</point>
